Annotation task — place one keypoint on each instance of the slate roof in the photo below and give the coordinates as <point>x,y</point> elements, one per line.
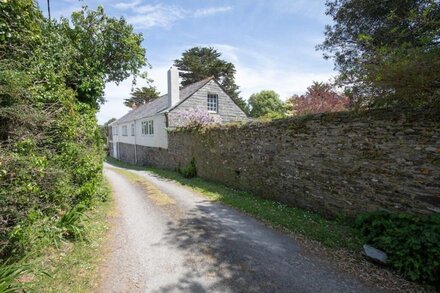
<point>161,104</point>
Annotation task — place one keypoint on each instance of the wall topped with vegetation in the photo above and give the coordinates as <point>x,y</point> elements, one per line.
<point>339,163</point>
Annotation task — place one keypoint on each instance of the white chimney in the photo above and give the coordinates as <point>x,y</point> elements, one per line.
<point>173,86</point>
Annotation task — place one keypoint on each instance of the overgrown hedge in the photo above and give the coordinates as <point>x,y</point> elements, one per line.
<point>52,77</point>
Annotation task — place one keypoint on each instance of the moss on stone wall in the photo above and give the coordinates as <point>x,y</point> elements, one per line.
<point>335,163</point>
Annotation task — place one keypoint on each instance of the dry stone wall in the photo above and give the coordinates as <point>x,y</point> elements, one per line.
<point>333,163</point>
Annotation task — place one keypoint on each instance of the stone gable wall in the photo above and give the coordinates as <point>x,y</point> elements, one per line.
<point>333,163</point>
<point>227,109</point>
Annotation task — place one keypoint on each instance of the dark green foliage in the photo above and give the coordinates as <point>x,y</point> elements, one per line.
<point>202,62</point>
<point>387,52</point>
<point>103,49</point>
<point>189,171</point>
<point>141,96</point>
<point>52,76</point>
<point>411,242</point>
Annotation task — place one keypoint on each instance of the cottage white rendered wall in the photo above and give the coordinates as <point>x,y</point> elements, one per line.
<point>114,140</point>
<point>158,139</point>
<point>122,138</point>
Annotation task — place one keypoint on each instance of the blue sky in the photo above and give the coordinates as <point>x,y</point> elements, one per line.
<point>271,42</point>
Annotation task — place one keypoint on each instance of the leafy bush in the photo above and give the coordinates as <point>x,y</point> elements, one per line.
<point>52,78</point>
<point>319,98</point>
<point>411,242</point>
<point>266,103</point>
<point>189,171</point>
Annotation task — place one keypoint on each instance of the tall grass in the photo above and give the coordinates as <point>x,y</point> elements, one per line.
<point>9,273</point>
<point>71,224</point>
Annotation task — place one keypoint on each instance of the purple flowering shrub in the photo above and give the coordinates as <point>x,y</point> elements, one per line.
<point>196,117</point>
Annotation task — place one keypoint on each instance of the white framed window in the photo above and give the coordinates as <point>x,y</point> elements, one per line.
<point>151,127</point>
<point>148,127</point>
<point>124,130</point>
<point>144,127</point>
<point>132,129</point>
<point>116,129</point>
<point>212,103</point>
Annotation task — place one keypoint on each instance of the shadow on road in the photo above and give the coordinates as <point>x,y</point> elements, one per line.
<point>218,257</point>
<point>226,251</point>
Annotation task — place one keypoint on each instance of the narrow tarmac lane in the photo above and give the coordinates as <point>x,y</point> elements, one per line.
<point>168,238</point>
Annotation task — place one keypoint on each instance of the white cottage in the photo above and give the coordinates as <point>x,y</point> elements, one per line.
<point>144,129</point>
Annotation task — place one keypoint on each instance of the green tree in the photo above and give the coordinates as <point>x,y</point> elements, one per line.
<point>202,62</point>
<point>52,75</point>
<point>141,96</point>
<point>104,49</point>
<point>387,52</point>
<point>266,103</point>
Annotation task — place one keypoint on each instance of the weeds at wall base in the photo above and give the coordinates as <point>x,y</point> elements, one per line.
<point>342,232</point>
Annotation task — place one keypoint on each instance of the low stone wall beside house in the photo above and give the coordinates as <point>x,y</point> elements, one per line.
<point>335,164</point>
<point>144,156</point>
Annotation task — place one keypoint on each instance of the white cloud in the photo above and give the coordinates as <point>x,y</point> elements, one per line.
<point>115,94</point>
<point>259,72</point>
<point>113,107</point>
<point>148,16</point>
<point>160,15</point>
<point>211,11</point>
<point>284,82</point>
<point>127,5</point>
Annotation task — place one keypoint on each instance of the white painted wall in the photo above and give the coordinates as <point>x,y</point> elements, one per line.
<point>160,136</point>
<point>158,139</point>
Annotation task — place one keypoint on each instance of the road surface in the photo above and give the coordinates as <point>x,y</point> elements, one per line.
<point>168,238</point>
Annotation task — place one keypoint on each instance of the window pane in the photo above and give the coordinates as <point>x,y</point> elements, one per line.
<point>213,103</point>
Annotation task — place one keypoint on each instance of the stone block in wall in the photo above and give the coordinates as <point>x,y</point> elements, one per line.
<point>333,164</point>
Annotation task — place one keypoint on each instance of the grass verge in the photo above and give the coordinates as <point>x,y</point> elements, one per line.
<point>153,192</point>
<point>73,266</point>
<point>334,234</point>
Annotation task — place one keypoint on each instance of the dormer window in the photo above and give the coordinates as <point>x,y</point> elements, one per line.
<point>212,103</point>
